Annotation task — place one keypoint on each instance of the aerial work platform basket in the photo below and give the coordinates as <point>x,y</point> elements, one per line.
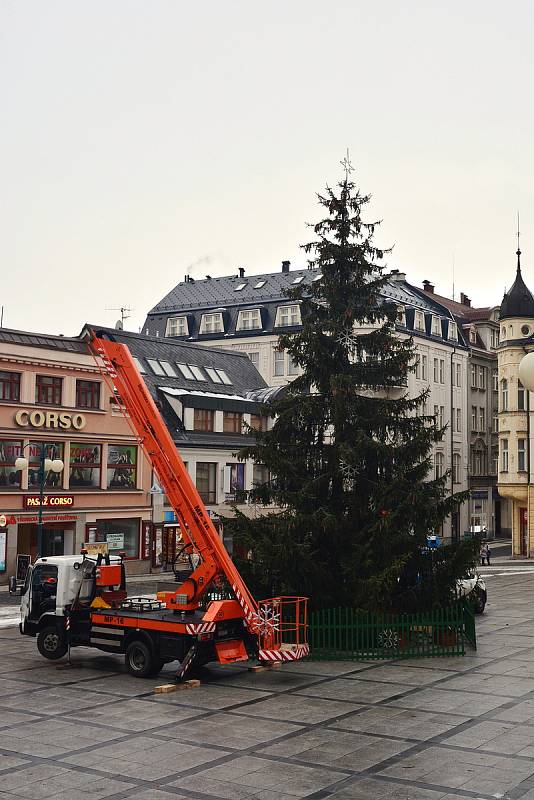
<point>281,624</point>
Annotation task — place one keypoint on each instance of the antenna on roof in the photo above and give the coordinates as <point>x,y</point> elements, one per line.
<point>124,315</point>
<point>453,276</point>
<point>2,317</point>
<point>518,251</point>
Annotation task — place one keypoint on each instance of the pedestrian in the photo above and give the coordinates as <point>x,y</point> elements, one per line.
<point>488,555</point>
<point>483,554</point>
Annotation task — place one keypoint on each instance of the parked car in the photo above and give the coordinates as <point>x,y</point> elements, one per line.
<point>474,588</point>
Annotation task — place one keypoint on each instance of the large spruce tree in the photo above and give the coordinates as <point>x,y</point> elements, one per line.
<point>349,453</point>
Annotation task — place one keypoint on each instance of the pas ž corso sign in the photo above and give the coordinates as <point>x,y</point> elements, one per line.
<point>49,419</point>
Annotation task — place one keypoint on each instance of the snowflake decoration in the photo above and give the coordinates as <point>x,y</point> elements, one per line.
<point>301,419</point>
<point>388,639</point>
<point>265,621</point>
<point>347,339</point>
<point>348,472</point>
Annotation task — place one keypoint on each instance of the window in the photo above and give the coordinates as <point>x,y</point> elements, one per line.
<point>477,461</point>
<point>436,370</point>
<point>260,474</point>
<point>401,316</point>
<point>457,419</point>
<point>419,321</point>
<point>33,452</point>
<point>255,358</point>
<point>521,455</point>
<point>197,372</point>
<point>494,338</point>
<point>258,422</point>
<point>211,323</point>
<point>436,326</point>
<point>494,460</point>
<point>207,481</point>
<point>299,279</point>
<point>504,395</point>
<point>456,475</point>
<point>520,396</point>
<point>85,461</point>
<point>504,455</point>
<point>121,535</point>
<point>495,423</point>
<point>122,466</point>
<point>439,413</point>
<point>260,284</point>
<point>186,372</point>
<point>88,394</point>
<point>203,419</point>
<point>474,418</point>
<point>287,316</point>
<point>453,331</point>
<point>9,476</point>
<point>292,367</point>
<point>442,370</point>
<point>48,390</point>
<point>458,371</point>
<point>249,319</point>
<point>481,377</point>
<point>139,364</point>
<point>424,368</point>
<point>495,380</point>
<point>213,374</point>
<point>168,369</point>
<point>482,418</point>
<point>240,287</point>
<point>177,326</point>
<point>232,422</point>
<point>417,367</point>
<point>223,376</point>
<point>278,362</point>
<point>438,465</point>
<point>473,335</point>
<point>473,376</point>
<point>155,366</point>
<point>9,385</point>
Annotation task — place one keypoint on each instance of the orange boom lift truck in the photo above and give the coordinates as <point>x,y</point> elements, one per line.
<point>70,601</point>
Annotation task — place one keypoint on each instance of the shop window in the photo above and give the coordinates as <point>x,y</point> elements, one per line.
<point>234,481</point>
<point>85,461</point>
<point>207,481</point>
<point>9,385</point>
<point>48,390</point>
<point>122,466</point>
<point>232,422</point>
<point>9,476</point>
<point>53,450</point>
<point>88,394</point>
<point>203,420</point>
<point>121,535</point>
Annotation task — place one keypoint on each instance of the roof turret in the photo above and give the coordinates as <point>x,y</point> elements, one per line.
<point>518,302</point>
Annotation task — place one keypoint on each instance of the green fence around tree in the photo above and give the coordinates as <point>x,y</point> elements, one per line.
<point>346,634</point>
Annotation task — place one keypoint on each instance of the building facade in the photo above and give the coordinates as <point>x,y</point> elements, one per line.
<point>515,404</point>
<point>247,315</point>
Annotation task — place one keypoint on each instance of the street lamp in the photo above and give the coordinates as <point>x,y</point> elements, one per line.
<point>526,371</point>
<point>46,465</point>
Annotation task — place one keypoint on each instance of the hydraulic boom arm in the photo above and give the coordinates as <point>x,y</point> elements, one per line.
<point>195,523</point>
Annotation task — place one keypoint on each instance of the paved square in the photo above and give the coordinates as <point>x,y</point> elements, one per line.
<point>433,729</point>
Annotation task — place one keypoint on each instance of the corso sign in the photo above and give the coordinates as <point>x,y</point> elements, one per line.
<point>49,419</point>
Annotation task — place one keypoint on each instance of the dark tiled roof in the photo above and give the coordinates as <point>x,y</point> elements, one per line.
<point>45,340</point>
<point>518,302</point>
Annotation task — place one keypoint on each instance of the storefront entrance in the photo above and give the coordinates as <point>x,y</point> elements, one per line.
<point>58,540</point>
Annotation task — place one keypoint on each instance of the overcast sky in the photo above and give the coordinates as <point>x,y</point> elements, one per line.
<point>140,137</point>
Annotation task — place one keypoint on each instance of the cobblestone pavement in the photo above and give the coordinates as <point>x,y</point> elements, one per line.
<point>440,729</point>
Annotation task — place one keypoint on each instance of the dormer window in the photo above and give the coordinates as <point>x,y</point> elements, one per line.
<point>249,319</point>
<point>453,331</point>
<point>473,335</point>
<point>211,323</point>
<point>177,326</point>
<point>436,326</point>
<point>419,321</point>
<point>287,316</point>
<point>401,315</point>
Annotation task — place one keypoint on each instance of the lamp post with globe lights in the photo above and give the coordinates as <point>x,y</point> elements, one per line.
<point>46,465</point>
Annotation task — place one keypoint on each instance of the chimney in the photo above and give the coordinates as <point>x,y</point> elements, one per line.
<point>241,272</point>
<point>397,275</point>
<point>464,300</point>
<point>285,266</point>
<point>428,287</point>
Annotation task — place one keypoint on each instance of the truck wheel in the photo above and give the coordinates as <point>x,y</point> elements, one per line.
<point>50,643</point>
<point>140,661</point>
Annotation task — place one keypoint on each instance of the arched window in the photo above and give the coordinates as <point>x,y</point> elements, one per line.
<point>504,395</point>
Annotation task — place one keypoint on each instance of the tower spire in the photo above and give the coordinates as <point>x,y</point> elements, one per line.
<point>518,251</point>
